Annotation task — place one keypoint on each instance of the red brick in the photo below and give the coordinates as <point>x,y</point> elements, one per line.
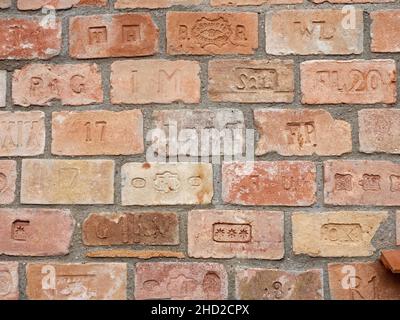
<point>273,284</point>
<point>362,182</point>
<point>118,35</point>
<point>97,132</point>
<point>8,177</point>
<point>285,183</point>
<point>58,4</point>
<point>29,38</point>
<point>155,81</point>
<point>9,289</point>
<point>351,81</point>
<point>154,4</point>
<point>75,281</point>
<point>209,33</point>
<point>180,281</point>
<point>251,81</point>
<point>3,88</point>
<point>235,234</point>
<point>301,132</point>
<point>363,281</point>
<point>73,84</point>
<point>35,232</point>
<point>385,31</point>
<point>4,4</point>
<point>22,133</point>
<point>151,228</point>
<point>379,130</point>
<point>219,3</point>
<point>308,32</point>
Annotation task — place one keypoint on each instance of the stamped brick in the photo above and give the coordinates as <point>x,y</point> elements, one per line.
<point>21,133</point>
<point>180,281</point>
<point>218,3</point>
<point>8,177</point>
<point>154,4</point>
<point>241,234</point>
<point>363,281</point>
<point>385,31</point>
<point>273,284</point>
<point>350,81</point>
<point>209,33</point>
<point>97,132</point>
<point>308,32</point>
<point>336,234</point>
<point>118,35</point>
<point>149,228</point>
<point>301,132</point>
<point>284,183</point>
<point>198,132</point>
<point>362,182</point>
<point>9,289</point>
<point>251,81</point>
<point>166,183</point>
<point>76,281</point>
<point>155,81</point>
<point>29,38</point>
<point>58,4</point>
<point>3,88</point>
<point>35,232</point>
<point>4,4</point>
<point>67,181</point>
<point>72,84</point>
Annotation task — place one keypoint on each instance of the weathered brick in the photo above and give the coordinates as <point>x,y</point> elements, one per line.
<point>3,88</point>
<point>218,3</point>
<point>9,289</point>
<point>353,1</point>
<point>350,81</point>
<point>336,234</point>
<point>155,81</point>
<point>285,183</point>
<point>97,132</point>
<point>251,81</point>
<point>151,228</point>
<point>362,182</point>
<point>272,284</point>
<point>73,84</point>
<point>209,33</point>
<point>57,4</point>
<point>235,234</point>
<point>8,177</point>
<point>118,35</point>
<point>155,4</point>
<point>379,130</point>
<point>67,181</point>
<point>35,232</point>
<point>139,254</point>
<point>166,183</point>
<point>75,281</point>
<point>385,31</point>
<point>4,4</point>
<point>398,227</point>
<point>29,38</point>
<point>180,281</point>
<point>301,132</point>
<point>198,132</point>
<point>308,32</point>
<point>22,133</point>
<point>363,281</point>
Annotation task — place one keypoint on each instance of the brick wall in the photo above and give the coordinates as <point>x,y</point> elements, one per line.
<point>82,207</point>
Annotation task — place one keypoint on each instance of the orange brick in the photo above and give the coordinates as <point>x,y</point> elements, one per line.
<point>118,35</point>
<point>75,281</point>
<point>351,81</point>
<point>235,234</point>
<point>154,4</point>
<point>35,232</point>
<point>73,84</point>
<point>362,182</point>
<point>251,81</point>
<point>209,33</point>
<point>9,289</point>
<point>398,227</point>
<point>8,177</point>
<point>97,132</point>
<point>155,81</point>
<point>282,183</point>
<point>308,32</point>
<point>57,4</point>
<point>385,31</point>
<point>219,3</point>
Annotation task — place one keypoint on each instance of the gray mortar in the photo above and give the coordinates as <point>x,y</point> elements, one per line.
<point>384,238</point>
